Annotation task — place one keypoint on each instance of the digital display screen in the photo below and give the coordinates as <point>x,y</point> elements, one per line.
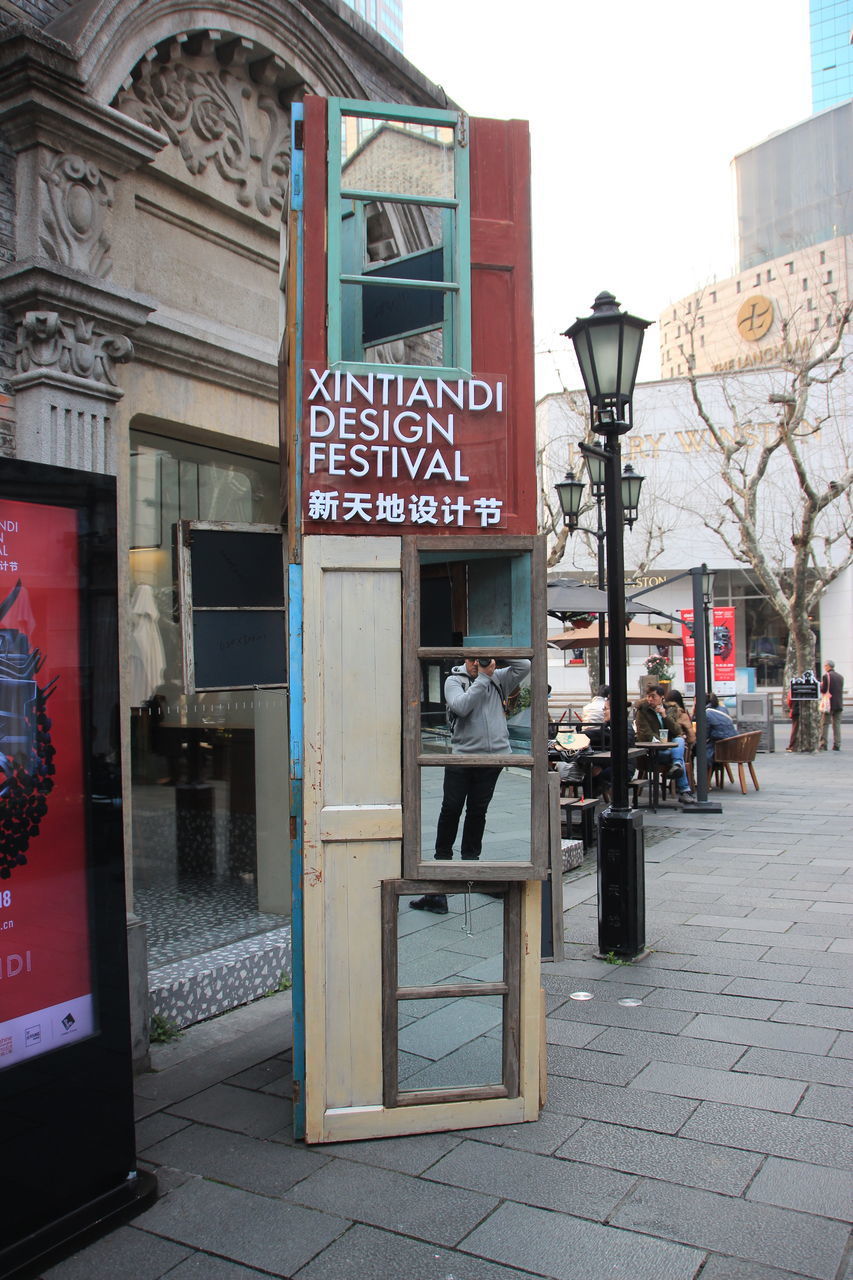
<point>46,986</point>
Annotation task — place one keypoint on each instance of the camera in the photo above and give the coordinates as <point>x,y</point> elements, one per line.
<point>485,662</point>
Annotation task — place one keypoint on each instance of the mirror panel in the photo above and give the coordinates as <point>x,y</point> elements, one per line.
<point>454,1046</point>
<point>475,599</point>
<point>502,835</point>
<point>435,729</point>
<point>464,946</point>
<point>397,156</point>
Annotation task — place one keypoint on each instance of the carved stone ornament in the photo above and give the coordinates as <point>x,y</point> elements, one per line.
<point>217,115</point>
<point>46,341</point>
<point>77,199</point>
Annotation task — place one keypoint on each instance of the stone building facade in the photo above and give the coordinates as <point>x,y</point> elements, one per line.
<point>144,168</point>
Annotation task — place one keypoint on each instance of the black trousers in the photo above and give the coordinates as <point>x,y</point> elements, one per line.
<point>470,788</point>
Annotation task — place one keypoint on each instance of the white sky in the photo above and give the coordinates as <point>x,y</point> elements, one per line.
<point>636,109</point>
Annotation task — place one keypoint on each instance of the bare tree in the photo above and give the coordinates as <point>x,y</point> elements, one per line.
<point>781,506</point>
<point>558,444</point>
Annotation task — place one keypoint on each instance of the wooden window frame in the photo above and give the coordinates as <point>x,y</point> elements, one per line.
<point>415,866</point>
<point>393,995</point>
<point>456,327</point>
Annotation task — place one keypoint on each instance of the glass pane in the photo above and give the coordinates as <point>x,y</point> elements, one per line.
<point>397,156</point>
<point>476,813</point>
<point>457,1045</point>
<point>238,647</point>
<point>408,237</point>
<point>464,945</point>
<point>236,569</point>
<point>443,731</point>
<point>475,599</point>
<point>387,324</point>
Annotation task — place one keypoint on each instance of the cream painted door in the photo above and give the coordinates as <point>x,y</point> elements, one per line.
<point>352,841</point>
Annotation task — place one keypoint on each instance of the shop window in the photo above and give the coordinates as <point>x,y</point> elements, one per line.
<point>449,1020</point>
<point>209,782</point>
<point>399,260</point>
<point>474,602</point>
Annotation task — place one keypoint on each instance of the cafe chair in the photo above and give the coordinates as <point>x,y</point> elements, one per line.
<point>739,750</point>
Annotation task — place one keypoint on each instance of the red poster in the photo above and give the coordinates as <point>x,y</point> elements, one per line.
<point>689,651</point>
<point>45,972</point>
<point>724,650</point>
<point>383,453</point>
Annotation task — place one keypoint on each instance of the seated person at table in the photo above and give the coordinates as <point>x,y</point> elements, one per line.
<point>718,726</point>
<point>675,701</point>
<point>653,719</point>
<point>603,776</point>
<point>592,716</point>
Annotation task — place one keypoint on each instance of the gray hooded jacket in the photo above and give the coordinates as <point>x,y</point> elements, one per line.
<point>478,705</point>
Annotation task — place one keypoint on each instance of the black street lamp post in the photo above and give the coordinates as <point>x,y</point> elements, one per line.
<point>608,345</point>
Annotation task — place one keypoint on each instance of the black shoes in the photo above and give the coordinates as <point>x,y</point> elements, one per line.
<point>686,797</point>
<point>675,771</point>
<point>434,902</point>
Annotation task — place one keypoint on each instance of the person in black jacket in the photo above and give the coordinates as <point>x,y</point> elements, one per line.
<point>833,684</point>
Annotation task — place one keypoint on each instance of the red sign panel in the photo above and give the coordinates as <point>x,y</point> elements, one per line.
<point>383,453</point>
<point>45,972</point>
<point>723,649</point>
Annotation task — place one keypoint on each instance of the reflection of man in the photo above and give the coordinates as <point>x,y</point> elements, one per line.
<point>476,694</point>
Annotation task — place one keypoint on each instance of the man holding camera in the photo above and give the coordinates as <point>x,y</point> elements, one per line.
<point>476,694</point>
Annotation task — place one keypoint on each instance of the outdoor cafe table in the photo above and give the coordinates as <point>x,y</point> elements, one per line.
<point>600,758</point>
<point>650,749</point>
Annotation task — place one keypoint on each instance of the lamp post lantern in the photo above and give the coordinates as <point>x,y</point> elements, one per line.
<point>608,344</point>
<point>570,493</point>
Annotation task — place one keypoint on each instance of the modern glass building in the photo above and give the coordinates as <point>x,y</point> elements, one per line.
<point>831,26</point>
<point>385,16</point>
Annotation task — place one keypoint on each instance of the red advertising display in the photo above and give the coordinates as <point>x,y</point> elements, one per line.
<point>45,969</point>
<point>389,454</point>
<point>688,653</point>
<point>723,649</point>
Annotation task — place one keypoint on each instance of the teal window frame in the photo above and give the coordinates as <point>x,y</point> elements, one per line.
<point>456,284</point>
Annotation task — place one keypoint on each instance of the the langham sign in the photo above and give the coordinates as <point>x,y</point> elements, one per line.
<point>400,454</point>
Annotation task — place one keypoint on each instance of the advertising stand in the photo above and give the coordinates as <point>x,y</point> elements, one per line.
<point>67,1155</point>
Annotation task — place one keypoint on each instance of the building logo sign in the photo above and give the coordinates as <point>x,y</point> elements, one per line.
<point>384,453</point>
<point>755,318</point>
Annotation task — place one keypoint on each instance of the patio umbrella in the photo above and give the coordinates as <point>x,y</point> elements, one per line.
<point>563,596</point>
<point>635,633</point>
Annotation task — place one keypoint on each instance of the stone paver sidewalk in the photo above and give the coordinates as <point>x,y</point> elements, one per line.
<point>698,1114</point>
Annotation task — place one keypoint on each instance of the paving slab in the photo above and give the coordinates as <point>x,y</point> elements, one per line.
<point>798,1242</point>
<point>236,1159</point>
<point>828,1102</point>
<point>395,1201</point>
<point>796,1066</point>
<point>568,1248</point>
<point>793,1184</point>
<point>229,1107</point>
<point>125,1252</point>
<point>794,1137</point>
<point>587,1064</point>
<point>656,1155</point>
<point>366,1253</point>
<point>253,1230</point>
<point>738,1088</point>
<point>767,1035</point>
<point>607,1102</point>
<point>533,1179</point>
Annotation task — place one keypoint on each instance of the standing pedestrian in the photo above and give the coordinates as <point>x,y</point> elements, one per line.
<point>832,703</point>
